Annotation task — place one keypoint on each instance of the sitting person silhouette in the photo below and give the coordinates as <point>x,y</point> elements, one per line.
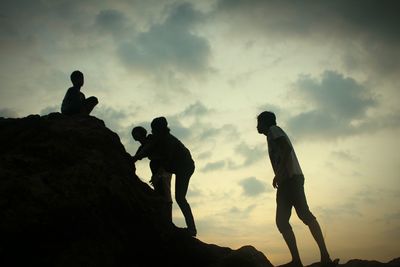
<point>174,158</point>
<point>289,181</point>
<point>160,178</point>
<point>74,101</point>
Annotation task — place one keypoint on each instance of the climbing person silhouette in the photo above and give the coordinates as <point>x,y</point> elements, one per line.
<point>174,158</point>
<point>160,178</point>
<point>74,101</point>
<point>289,181</point>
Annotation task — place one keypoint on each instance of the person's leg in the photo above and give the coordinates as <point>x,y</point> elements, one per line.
<point>304,213</point>
<point>181,187</point>
<point>316,232</point>
<point>283,213</point>
<point>89,104</point>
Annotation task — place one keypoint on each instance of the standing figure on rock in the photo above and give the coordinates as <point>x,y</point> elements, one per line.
<point>289,181</point>
<point>74,101</point>
<point>160,178</point>
<point>174,158</point>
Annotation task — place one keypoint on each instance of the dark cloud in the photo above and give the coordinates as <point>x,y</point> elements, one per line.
<point>112,21</point>
<point>8,113</point>
<point>197,109</point>
<point>253,187</point>
<point>171,45</point>
<point>244,212</point>
<point>114,119</point>
<point>367,30</point>
<point>249,154</point>
<point>337,106</point>
<point>198,129</point>
<point>378,19</point>
<point>212,166</point>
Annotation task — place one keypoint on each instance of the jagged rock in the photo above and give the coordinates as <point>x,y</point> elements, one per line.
<point>69,197</point>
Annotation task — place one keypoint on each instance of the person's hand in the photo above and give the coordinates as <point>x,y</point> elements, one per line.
<point>275,182</point>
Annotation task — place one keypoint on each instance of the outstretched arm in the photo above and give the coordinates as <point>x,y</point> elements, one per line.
<point>144,150</point>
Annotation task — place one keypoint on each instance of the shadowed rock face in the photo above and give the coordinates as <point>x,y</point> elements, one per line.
<point>69,197</point>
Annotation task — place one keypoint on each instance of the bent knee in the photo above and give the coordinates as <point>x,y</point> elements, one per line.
<point>283,225</point>
<point>307,217</point>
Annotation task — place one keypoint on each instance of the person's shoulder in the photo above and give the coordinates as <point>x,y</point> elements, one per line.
<point>72,90</point>
<point>275,132</point>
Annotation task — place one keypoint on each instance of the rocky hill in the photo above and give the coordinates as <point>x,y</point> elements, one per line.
<point>69,196</point>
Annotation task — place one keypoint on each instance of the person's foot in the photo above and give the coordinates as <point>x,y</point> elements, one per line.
<point>329,263</point>
<point>293,263</point>
<point>192,232</point>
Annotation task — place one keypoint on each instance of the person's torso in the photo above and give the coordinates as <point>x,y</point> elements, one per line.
<point>292,166</point>
<point>72,102</point>
<point>173,153</point>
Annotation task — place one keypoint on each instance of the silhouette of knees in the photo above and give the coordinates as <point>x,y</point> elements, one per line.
<point>283,225</point>
<point>89,104</point>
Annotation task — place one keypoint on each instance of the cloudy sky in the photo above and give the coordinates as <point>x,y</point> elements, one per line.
<point>328,69</point>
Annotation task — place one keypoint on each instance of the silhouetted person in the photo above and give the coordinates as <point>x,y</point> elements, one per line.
<point>289,181</point>
<point>74,101</point>
<point>176,159</point>
<point>160,178</point>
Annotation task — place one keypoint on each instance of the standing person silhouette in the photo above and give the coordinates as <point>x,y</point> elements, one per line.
<point>74,101</point>
<point>289,181</point>
<point>174,158</point>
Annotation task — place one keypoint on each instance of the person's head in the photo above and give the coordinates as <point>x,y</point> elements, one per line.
<point>139,134</point>
<point>265,120</point>
<point>77,78</point>
<point>159,126</point>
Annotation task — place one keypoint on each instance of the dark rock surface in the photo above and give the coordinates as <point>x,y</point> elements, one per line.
<point>69,197</point>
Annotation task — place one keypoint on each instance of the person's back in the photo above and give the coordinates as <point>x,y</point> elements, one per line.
<point>72,102</point>
<point>176,154</point>
<point>292,167</point>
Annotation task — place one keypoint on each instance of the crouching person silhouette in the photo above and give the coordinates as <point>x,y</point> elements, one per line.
<point>289,181</point>
<point>74,101</point>
<point>174,158</point>
<point>160,178</point>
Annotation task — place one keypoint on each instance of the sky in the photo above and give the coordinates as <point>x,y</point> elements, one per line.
<point>328,69</point>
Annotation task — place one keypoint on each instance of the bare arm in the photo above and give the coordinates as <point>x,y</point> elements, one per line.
<point>144,151</point>
<point>285,149</point>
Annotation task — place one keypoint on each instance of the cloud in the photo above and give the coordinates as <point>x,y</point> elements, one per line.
<point>345,155</point>
<point>250,154</point>
<point>197,109</point>
<point>212,166</point>
<point>337,106</point>
<point>367,30</point>
<point>253,187</point>
<point>115,120</point>
<point>8,113</point>
<point>113,21</point>
<point>170,46</point>
<point>50,109</point>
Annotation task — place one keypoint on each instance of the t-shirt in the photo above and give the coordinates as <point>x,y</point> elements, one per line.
<point>72,102</point>
<point>292,166</point>
<point>174,153</point>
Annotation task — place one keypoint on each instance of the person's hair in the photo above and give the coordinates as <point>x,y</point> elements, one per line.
<point>76,76</point>
<point>139,131</point>
<point>267,117</point>
<point>159,126</point>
